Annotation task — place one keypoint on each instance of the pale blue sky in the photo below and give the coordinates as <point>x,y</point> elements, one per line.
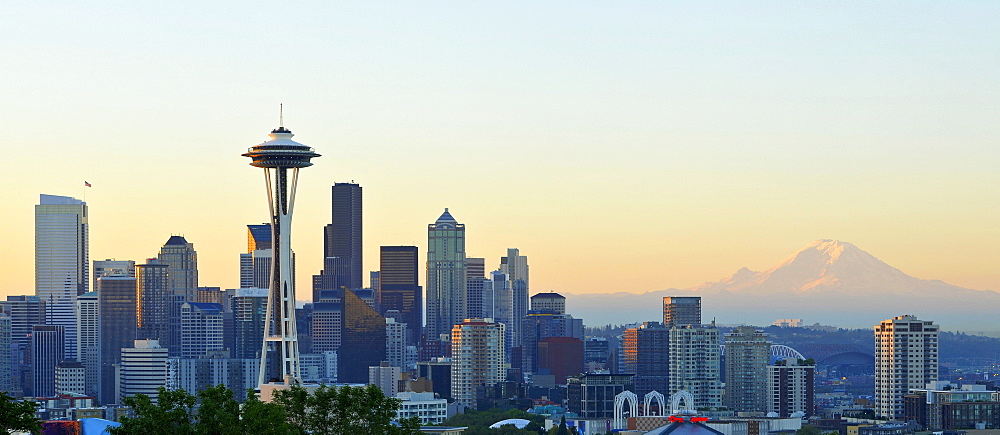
<point>667,143</point>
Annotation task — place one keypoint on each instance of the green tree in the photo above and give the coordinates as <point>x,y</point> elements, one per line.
<point>18,415</point>
<point>172,414</point>
<point>344,410</point>
<point>808,430</point>
<point>261,418</point>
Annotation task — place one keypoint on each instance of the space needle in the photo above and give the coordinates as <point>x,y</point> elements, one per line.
<point>281,158</point>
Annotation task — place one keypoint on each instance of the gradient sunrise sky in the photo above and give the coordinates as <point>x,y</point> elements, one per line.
<point>622,146</point>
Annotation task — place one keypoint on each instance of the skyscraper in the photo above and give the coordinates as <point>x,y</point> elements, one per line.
<point>249,305</point>
<point>748,353</point>
<point>201,329</point>
<point>475,281</point>
<point>362,339</point>
<point>116,299</point>
<point>398,288</point>
<point>255,264</point>
<point>62,260</point>
<point>647,355</point>
<point>515,266</point>
<point>554,302</point>
<point>153,302</point>
<point>446,286</point>
<point>477,358</point>
<point>342,237</point>
<point>88,328</point>
<point>47,351</point>
<point>278,157</point>
<point>6,356</point>
<point>182,267</point>
<point>790,387</point>
<point>681,310</point>
<point>906,356</point>
<point>112,267</point>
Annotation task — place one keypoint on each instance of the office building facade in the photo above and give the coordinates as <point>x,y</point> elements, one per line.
<point>446,284</point>
<point>62,261</point>
<point>398,289</point>
<point>342,237</point>
<point>681,310</point>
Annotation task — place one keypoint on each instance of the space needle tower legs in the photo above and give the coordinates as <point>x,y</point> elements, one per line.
<point>281,158</point>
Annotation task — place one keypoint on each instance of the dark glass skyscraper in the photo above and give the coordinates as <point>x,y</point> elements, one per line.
<point>342,237</point>
<point>47,343</point>
<point>362,340</point>
<point>116,299</point>
<point>153,296</point>
<point>399,290</point>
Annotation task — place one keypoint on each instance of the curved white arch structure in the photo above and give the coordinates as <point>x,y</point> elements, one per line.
<point>633,401</point>
<point>648,400</point>
<point>675,402</point>
<point>779,351</point>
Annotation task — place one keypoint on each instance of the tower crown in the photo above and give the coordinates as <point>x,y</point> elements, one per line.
<point>281,151</point>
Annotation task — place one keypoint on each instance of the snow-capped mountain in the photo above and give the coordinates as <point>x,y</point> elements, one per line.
<point>828,281</point>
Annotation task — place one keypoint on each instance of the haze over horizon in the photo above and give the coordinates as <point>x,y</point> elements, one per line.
<point>631,148</point>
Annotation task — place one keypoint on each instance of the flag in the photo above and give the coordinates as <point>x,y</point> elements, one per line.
<point>86,184</point>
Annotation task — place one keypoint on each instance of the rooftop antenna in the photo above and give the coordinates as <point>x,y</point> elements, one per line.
<point>281,114</point>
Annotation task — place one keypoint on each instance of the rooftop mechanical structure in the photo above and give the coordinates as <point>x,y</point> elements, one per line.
<point>281,158</point>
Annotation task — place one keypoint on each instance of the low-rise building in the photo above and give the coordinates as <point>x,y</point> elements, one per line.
<point>423,406</point>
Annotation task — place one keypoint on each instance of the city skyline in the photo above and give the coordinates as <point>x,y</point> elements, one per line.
<point>670,151</point>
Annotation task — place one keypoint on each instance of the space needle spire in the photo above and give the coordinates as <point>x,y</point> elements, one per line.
<point>281,158</point>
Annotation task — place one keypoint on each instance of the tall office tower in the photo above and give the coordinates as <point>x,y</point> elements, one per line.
<point>560,357</point>
<point>62,246</point>
<point>694,364</point>
<point>647,355</point>
<point>906,356</point>
<point>375,281</point>
<point>385,376</point>
<point>515,266</point>
<point>398,289</point>
<point>182,267</point>
<point>538,325</point>
<point>477,358</point>
<point>211,295</point>
<point>249,305</point>
<point>153,302</point>
<point>196,374</point>
<point>70,377</point>
<point>112,267</point>
<point>502,306</point>
<point>395,341</point>
<point>88,342</point>
<point>278,157</point>
<point>748,353</point>
<point>342,237</point>
<point>681,310</point>
<point>362,337</point>
<point>6,356</point>
<point>143,369</point>
<point>326,326</point>
<point>553,302</point>
<point>116,303</point>
<point>790,387</point>
<point>47,346</point>
<point>25,312</point>
<point>255,264</point>
<point>446,284</point>
<point>475,280</point>
<point>201,329</point>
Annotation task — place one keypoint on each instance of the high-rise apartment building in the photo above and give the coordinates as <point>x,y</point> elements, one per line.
<point>647,355</point>
<point>694,364</point>
<point>143,369</point>
<point>342,237</point>
<point>62,261</point>
<point>906,356</point>
<point>88,331</point>
<point>395,341</point>
<point>446,285</point>
<point>790,387</point>
<point>47,346</point>
<point>201,329</point>
<point>477,358</point>
<point>748,353</point>
<point>681,310</point>
<point>182,267</point>
<point>398,289</point>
